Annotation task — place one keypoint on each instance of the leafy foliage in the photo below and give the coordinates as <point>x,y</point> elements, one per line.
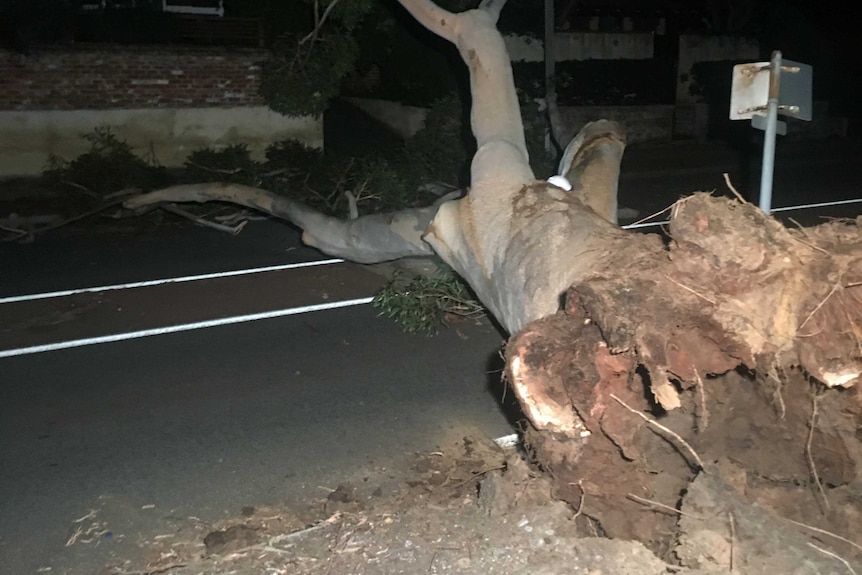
<point>231,164</point>
<point>294,155</point>
<point>307,175</point>
<point>319,48</point>
<point>108,166</point>
<point>441,151</point>
<point>391,43</point>
<point>375,185</point>
<point>299,79</point>
<point>374,182</point>
<point>424,303</point>
<point>349,13</point>
<point>310,59</point>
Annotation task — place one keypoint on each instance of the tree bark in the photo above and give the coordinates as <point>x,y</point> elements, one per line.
<point>518,242</point>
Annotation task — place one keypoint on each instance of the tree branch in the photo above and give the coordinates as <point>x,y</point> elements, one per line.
<point>492,7</point>
<point>318,23</point>
<point>368,239</point>
<point>436,19</point>
<point>591,163</point>
<point>233,230</point>
<point>496,115</point>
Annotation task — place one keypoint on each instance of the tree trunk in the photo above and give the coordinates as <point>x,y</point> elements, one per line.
<point>610,324</point>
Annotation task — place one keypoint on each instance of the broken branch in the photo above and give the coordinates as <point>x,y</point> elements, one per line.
<point>233,230</point>
<point>367,239</point>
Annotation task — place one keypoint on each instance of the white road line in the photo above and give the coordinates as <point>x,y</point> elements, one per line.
<point>182,327</point>
<point>63,293</point>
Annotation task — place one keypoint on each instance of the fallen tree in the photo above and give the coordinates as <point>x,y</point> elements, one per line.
<point>608,325</point>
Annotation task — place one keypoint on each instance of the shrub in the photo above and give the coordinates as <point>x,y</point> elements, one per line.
<point>108,166</point>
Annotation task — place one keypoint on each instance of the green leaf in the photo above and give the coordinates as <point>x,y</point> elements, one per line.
<point>421,304</point>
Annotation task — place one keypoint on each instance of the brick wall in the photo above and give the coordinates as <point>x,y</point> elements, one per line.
<point>122,77</point>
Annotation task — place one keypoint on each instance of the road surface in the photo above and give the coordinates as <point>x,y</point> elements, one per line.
<point>138,436</point>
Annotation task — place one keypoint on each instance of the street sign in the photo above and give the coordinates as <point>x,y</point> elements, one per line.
<point>763,90</point>
<point>749,94</point>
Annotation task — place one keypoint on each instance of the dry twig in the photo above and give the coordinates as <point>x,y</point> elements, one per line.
<point>239,216</point>
<point>658,213</point>
<point>335,517</point>
<point>804,232</point>
<point>234,230</point>
<point>434,555</point>
<point>101,208</point>
<point>681,442</point>
<point>829,295</point>
<point>835,556</point>
<point>18,233</point>
<point>81,188</point>
<point>822,532</point>
<point>703,415</point>
<point>685,287</point>
<point>318,22</point>
<point>228,171</point>
<point>580,508</point>
<point>334,548</point>
<point>845,305</point>
<point>733,189</point>
<point>656,505</point>
<point>478,475</point>
<point>778,395</point>
<point>812,423</point>
<point>352,208</point>
<point>732,538</point>
<point>157,570</point>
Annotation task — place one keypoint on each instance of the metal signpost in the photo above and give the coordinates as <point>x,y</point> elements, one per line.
<point>763,90</point>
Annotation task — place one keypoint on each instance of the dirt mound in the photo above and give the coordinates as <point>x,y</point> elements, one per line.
<point>474,508</point>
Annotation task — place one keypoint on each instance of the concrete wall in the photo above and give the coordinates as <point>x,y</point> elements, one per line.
<point>694,49</point>
<point>642,123</point>
<point>167,135</point>
<point>691,121</point>
<point>165,102</point>
<point>401,119</point>
<point>583,46</point>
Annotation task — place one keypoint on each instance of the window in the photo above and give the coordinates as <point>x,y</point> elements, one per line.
<point>202,7</point>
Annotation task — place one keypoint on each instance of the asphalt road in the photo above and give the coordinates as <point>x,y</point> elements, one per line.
<point>103,252</point>
<point>149,432</point>
<point>203,423</point>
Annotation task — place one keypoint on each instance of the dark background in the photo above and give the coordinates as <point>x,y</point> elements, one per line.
<point>823,34</point>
